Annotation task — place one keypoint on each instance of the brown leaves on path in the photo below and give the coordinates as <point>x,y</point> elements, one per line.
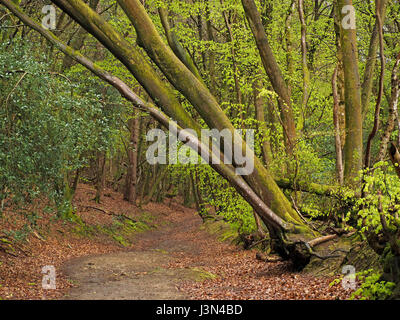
<point>230,272</point>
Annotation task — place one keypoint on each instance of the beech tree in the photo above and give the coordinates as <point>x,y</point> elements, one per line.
<point>353,146</point>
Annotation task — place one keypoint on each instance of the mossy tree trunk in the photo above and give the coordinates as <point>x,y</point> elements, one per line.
<point>274,74</point>
<point>353,147</point>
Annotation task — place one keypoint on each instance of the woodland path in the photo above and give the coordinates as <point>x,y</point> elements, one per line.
<point>138,274</point>
<point>182,261</point>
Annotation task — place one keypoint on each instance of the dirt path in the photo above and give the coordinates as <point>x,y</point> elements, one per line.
<point>131,275</point>
<point>182,261</point>
<point>142,273</point>
<point>176,260</point>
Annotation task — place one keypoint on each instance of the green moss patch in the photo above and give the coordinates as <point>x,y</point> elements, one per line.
<point>222,230</point>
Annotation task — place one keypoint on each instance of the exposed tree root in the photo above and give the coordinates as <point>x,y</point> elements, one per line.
<point>318,241</point>
<point>300,252</point>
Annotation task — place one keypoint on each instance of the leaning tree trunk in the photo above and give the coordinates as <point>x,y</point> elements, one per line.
<point>274,73</point>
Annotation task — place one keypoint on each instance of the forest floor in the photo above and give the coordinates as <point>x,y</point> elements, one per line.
<point>174,257</point>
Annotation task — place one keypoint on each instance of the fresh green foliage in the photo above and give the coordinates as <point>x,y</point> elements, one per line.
<point>380,200</point>
<point>371,287</point>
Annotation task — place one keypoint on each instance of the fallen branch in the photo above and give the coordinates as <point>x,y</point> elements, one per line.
<point>119,215</point>
<point>321,240</point>
<point>38,236</point>
<point>314,188</point>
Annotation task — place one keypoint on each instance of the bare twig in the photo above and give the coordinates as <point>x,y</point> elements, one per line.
<point>13,89</point>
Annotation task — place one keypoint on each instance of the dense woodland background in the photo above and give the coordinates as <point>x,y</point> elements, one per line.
<point>323,101</point>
